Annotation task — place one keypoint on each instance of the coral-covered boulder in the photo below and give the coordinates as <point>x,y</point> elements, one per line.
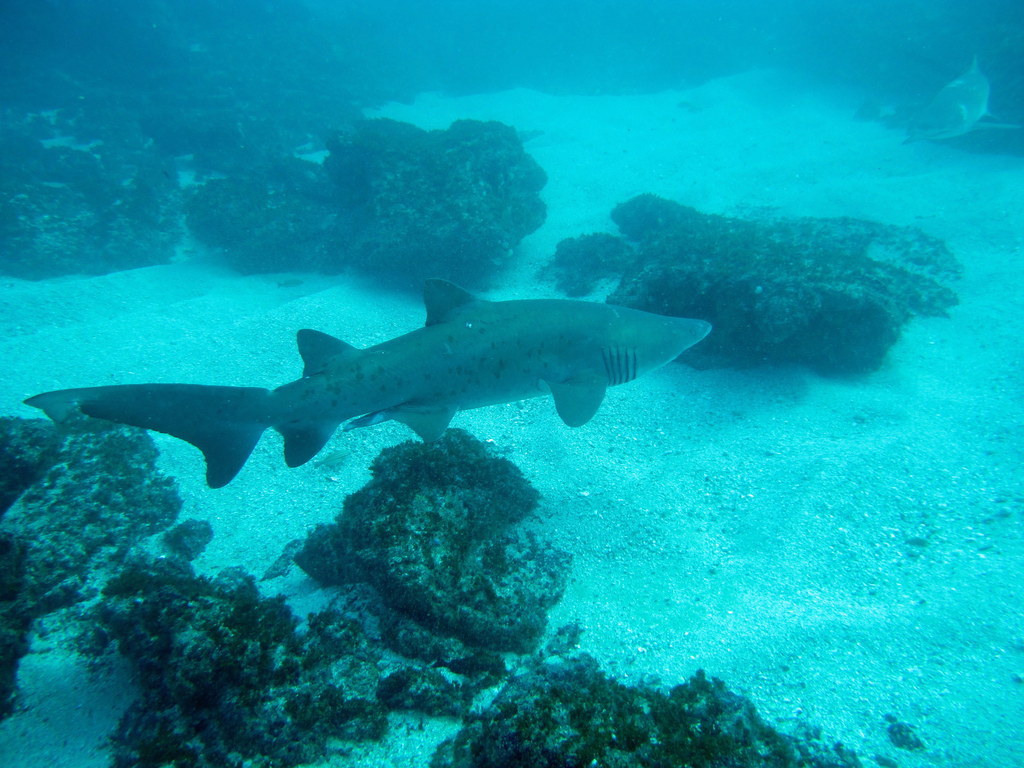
<point>28,447</point>
<point>438,533</point>
<point>276,217</point>
<point>100,495</point>
<point>81,209</point>
<point>75,504</point>
<point>225,678</point>
<point>229,677</point>
<point>580,262</point>
<point>568,714</point>
<point>392,200</point>
<point>416,204</point>
<point>15,617</point>
<point>832,294</point>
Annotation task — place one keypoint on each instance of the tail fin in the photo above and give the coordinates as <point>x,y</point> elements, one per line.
<point>225,423</point>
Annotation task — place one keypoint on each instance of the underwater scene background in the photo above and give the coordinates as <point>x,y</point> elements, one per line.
<point>800,544</point>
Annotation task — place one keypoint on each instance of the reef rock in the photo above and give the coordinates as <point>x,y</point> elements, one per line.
<point>395,201</point>
<point>188,538</point>
<point>28,447</point>
<point>416,204</point>
<point>80,208</point>
<point>566,713</point>
<point>15,617</point>
<point>74,503</point>
<point>832,294</point>
<point>437,533</point>
<point>278,216</point>
<point>226,679</point>
<point>581,261</point>
<point>99,496</point>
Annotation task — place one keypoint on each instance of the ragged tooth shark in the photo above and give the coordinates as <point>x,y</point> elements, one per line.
<point>470,353</point>
<point>957,109</point>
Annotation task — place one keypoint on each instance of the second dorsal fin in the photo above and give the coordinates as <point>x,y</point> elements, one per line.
<point>317,347</point>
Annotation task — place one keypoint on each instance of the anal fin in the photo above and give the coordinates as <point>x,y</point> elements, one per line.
<point>304,441</point>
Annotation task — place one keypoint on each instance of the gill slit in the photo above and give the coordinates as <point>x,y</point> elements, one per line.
<point>620,364</point>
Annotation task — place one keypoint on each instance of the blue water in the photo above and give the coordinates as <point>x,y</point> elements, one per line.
<point>184,185</point>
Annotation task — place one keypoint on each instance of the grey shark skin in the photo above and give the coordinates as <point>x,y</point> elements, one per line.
<point>470,353</point>
<point>957,109</point>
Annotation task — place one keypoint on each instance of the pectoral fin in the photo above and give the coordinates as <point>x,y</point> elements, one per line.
<point>577,399</point>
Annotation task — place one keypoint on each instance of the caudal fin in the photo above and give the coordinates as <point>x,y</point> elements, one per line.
<point>225,423</point>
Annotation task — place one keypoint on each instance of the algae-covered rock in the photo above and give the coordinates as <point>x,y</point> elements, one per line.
<point>228,677</point>
<point>567,713</point>
<point>277,217</point>
<point>87,209</point>
<point>188,538</point>
<point>15,617</point>
<point>436,532</point>
<point>101,495</point>
<point>225,677</point>
<point>416,204</point>
<point>580,262</point>
<point>425,689</point>
<point>395,201</point>
<point>75,504</point>
<point>832,294</point>
<point>28,447</point>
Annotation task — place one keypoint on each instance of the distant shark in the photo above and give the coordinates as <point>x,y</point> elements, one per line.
<point>470,353</point>
<point>956,109</point>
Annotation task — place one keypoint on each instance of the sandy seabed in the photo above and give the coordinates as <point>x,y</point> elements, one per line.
<point>753,523</point>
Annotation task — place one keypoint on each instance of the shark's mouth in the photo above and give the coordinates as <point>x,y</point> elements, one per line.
<point>619,364</point>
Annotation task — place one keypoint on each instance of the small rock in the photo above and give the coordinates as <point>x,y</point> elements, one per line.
<point>903,736</point>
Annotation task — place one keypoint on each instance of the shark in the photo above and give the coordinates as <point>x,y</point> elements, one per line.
<point>957,109</point>
<point>470,353</point>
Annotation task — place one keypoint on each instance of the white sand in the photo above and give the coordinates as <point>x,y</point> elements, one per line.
<point>752,523</point>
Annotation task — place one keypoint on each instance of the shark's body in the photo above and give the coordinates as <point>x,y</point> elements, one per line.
<point>470,353</point>
<point>957,109</point>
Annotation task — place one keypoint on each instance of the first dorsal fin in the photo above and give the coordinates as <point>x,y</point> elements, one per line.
<point>317,348</point>
<point>442,299</point>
